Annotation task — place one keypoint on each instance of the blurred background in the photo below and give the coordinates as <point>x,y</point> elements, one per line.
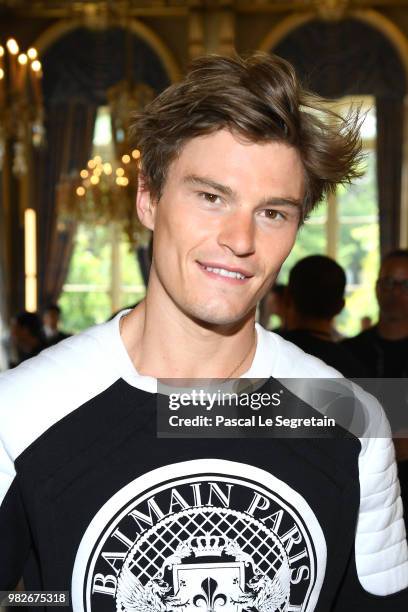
<point>72,72</point>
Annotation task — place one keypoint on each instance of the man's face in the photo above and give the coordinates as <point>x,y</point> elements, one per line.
<point>225,223</point>
<point>391,294</point>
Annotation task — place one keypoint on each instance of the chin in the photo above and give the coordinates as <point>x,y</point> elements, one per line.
<point>216,316</point>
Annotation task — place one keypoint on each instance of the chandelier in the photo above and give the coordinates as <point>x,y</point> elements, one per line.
<point>21,104</point>
<point>102,193</point>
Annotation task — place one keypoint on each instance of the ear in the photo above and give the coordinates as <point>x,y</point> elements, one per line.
<point>145,206</point>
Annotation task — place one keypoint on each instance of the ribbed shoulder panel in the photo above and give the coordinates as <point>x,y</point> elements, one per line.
<point>381,545</point>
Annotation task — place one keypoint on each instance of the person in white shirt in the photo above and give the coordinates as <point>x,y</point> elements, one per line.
<point>233,158</point>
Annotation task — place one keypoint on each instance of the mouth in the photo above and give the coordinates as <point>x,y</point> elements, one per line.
<point>224,273</point>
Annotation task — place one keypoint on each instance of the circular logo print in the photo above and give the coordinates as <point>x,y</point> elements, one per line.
<point>201,536</point>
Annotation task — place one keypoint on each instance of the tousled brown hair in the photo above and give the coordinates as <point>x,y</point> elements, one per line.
<point>261,99</point>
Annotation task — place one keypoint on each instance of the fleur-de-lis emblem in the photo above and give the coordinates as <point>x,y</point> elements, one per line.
<point>211,598</point>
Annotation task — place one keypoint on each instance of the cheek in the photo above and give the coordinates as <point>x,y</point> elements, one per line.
<point>282,249</point>
<point>177,223</point>
<point>291,238</point>
<point>168,234</point>
<point>175,236</point>
<point>282,243</point>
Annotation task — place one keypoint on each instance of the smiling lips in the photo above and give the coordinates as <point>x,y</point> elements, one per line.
<point>225,273</point>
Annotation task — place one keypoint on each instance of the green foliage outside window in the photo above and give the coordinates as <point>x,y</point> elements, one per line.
<point>358,250</point>
<point>86,298</point>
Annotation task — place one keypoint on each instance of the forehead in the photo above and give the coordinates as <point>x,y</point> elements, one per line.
<point>395,266</point>
<point>230,159</point>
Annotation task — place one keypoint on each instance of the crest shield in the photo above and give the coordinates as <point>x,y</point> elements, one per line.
<point>209,587</point>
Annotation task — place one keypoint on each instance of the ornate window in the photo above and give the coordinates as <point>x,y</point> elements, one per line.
<point>104,274</point>
<point>347,229</point>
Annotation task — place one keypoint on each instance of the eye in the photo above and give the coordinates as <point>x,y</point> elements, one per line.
<point>213,198</point>
<point>274,215</point>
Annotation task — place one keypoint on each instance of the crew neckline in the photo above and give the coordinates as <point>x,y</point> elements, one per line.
<point>261,366</point>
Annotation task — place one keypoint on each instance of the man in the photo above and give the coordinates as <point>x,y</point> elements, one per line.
<point>51,320</point>
<point>315,296</point>
<point>233,157</point>
<point>383,348</point>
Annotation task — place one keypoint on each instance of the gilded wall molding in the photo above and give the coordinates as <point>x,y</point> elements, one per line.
<point>62,27</point>
<point>196,34</point>
<point>371,17</point>
<point>226,31</point>
<point>387,27</point>
<point>283,28</point>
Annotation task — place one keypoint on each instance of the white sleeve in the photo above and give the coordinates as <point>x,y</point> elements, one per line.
<point>380,546</point>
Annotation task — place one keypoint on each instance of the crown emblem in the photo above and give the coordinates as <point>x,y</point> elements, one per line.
<point>208,545</point>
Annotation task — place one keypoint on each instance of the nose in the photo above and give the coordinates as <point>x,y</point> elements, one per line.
<point>237,233</point>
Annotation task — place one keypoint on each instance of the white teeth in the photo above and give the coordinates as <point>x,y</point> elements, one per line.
<point>223,272</point>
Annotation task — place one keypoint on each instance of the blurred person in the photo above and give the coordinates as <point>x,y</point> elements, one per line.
<point>27,336</point>
<point>366,322</point>
<point>276,305</point>
<point>51,321</point>
<point>314,297</point>
<point>233,158</point>
<point>383,348</point>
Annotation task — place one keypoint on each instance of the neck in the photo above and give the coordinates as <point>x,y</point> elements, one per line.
<point>165,343</point>
<point>392,328</point>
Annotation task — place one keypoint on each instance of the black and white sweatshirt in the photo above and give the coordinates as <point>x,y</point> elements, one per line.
<point>93,502</point>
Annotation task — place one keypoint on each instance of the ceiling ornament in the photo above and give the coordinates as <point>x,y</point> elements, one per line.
<point>331,10</point>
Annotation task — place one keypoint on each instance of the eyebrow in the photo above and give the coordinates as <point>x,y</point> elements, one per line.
<point>204,181</point>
